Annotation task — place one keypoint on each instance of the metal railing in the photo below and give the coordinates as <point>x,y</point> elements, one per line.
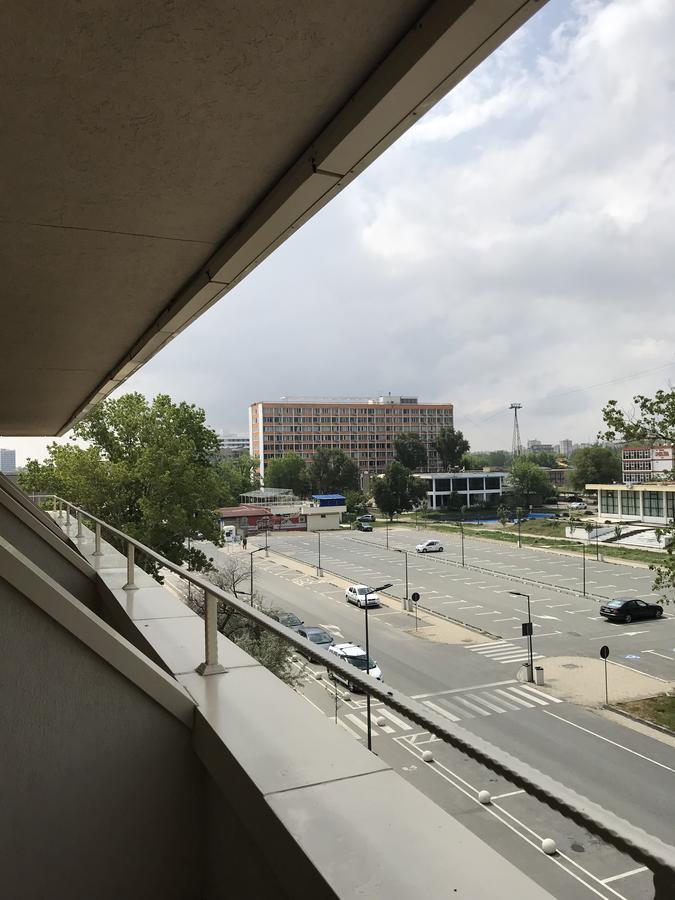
<point>630,839</point>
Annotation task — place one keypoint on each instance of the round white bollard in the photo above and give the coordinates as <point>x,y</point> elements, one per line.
<point>484,797</point>
<point>347,697</point>
<point>548,846</point>
<point>428,756</point>
<point>319,676</point>
<point>380,720</point>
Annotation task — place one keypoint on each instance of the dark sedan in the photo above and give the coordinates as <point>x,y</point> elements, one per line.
<point>316,635</point>
<point>626,609</point>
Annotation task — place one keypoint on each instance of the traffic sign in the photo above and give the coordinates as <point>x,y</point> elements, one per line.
<point>415,597</point>
<point>604,651</point>
<point>527,628</point>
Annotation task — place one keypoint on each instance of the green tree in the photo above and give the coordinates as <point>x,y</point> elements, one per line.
<point>357,503</point>
<point>237,476</point>
<point>503,514</point>
<point>288,471</point>
<point>397,490</point>
<point>333,471</point>
<point>410,450</point>
<point>664,572</point>
<point>451,446</point>
<point>543,458</point>
<point>528,480</point>
<point>594,465</point>
<point>148,470</point>
<point>652,420</point>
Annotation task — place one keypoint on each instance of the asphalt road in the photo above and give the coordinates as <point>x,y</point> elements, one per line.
<point>565,624</point>
<point>627,772</point>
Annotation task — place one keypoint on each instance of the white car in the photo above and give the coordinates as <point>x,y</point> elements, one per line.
<point>355,656</point>
<point>362,596</point>
<point>430,547</point>
<point>579,504</point>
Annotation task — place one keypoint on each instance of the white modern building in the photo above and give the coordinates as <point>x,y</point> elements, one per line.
<point>472,487</point>
<point>650,502</point>
<point>640,463</point>
<point>7,461</point>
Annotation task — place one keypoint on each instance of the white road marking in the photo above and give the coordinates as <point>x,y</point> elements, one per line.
<point>662,655</point>
<point>609,741</point>
<point>604,637</point>
<point>441,711</point>
<point>517,699</point>
<point>480,699</point>
<point>383,711</point>
<point>556,605</point>
<point>359,724</point>
<point>508,794</point>
<point>473,706</point>
<point>533,690</point>
<point>624,874</point>
<point>537,699</point>
<point>473,687</point>
<point>555,618</point>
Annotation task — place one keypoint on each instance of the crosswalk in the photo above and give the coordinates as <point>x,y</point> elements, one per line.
<point>455,706</point>
<point>503,652</point>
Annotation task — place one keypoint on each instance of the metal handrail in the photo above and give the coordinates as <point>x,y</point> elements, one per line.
<point>637,843</point>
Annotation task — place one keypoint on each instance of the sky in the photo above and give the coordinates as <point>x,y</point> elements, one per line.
<point>514,245</point>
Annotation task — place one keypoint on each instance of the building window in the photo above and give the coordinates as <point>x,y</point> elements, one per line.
<point>670,505</point>
<point>442,484</point>
<point>630,503</point>
<point>652,503</point>
<point>475,484</point>
<point>608,502</point>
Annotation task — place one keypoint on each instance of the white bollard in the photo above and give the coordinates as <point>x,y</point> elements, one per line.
<point>548,846</point>
<point>484,797</point>
<point>428,756</point>
<point>347,697</point>
<point>380,720</point>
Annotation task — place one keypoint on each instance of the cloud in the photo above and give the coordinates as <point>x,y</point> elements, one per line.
<point>514,246</point>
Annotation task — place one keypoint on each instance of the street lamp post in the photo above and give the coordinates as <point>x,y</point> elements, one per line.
<point>583,557</point>
<point>368,592</point>
<point>461,529</point>
<point>405,554</point>
<point>386,529</point>
<point>318,568</point>
<point>597,542</point>
<point>530,676</point>
<point>257,550</point>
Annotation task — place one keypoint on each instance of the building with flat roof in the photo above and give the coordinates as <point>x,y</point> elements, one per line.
<point>649,502</point>
<point>7,461</point>
<point>365,428</point>
<point>640,463</point>
<point>472,487</point>
<point>234,445</point>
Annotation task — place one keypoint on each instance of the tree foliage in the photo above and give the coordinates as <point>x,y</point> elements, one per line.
<point>595,465</point>
<point>333,471</point>
<point>397,490</point>
<point>491,459</point>
<point>288,471</point>
<point>451,446</point>
<point>410,450</point>
<point>528,480</point>
<point>357,503</point>
<point>664,572</point>
<point>652,419</point>
<point>237,476</point>
<point>271,651</point>
<point>542,458</point>
<point>148,470</point>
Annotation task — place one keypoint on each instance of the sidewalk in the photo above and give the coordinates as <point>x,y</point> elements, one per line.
<point>581,680</point>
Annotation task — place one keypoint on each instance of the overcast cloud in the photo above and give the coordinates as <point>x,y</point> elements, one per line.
<point>516,245</point>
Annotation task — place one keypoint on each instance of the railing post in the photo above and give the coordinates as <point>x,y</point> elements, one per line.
<point>210,666</point>
<point>79,524</point>
<point>130,586</point>
<point>60,509</point>
<point>97,539</point>
<point>67,515</point>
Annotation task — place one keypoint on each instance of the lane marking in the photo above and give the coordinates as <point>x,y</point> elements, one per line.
<point>662,655</point>
<point>473,687</point>
<point>624,874</point>
<point>360,724</point>
<point>517,699</point>
<point>383,711</point>
<point>609,741</point>
<point>530,696</point>
<point>441,711</point>
<point>481,699</point>
<point>473,706</point>
<point>533,690</point>
<point>508,794</point>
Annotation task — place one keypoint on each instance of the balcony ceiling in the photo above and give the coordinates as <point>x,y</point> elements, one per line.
<point>154,153</point>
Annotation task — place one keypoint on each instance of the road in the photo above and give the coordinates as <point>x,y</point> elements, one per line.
<point>565,624</point>
<point>577,747</point>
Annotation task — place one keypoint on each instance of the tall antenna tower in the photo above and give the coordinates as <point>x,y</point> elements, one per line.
<point>516,446</point>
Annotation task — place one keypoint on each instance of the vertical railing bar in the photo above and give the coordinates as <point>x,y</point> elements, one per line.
<point>130,586</point>
<point>210,666</point>
<point>97,539</point>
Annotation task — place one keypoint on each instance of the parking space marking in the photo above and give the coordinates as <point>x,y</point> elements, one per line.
<point>624,874</point>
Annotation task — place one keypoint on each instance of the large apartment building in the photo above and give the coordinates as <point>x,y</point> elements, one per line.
<point>364,428</point>
<point>640,463</point>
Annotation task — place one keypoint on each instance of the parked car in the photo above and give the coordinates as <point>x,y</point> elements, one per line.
<point>366,517</point>
<point>627,609</point>
<point>363,526</point>
<point>355,656</point>
<point>316,635</point>
<point>577,504</point>
<point>289,619</point>
<point>361,595</point>
<point>430,547</point>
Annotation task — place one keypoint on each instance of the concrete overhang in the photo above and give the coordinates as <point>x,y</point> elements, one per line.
<point>153,154</point>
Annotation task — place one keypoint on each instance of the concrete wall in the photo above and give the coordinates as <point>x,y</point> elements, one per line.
<point>103,796</point>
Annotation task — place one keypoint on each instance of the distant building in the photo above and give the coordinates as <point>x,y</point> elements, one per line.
<point>535,446</point>
<point>650,502</point>
<point>365,429</point>
<point>234,445</point>
<point>472,487</point>
<point>566,447</point>
<point>7,461</point>
<point>558,477</point>
<point>640,463</point>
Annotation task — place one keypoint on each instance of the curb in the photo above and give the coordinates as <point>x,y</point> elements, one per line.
<point>641,721</point>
